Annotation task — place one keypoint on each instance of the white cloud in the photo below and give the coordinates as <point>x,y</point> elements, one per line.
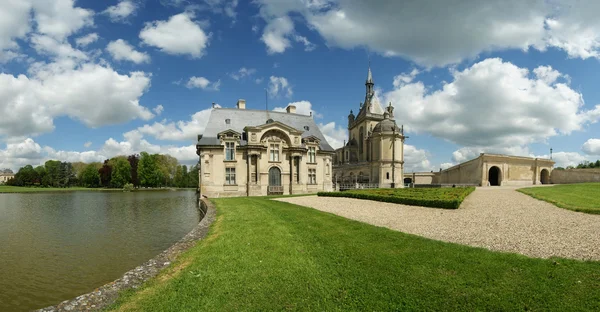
<point>180,130</point>
<point>308,46</point>
<point>158,110</point>
<point>203,83</point>
<point>60,18</point>
<point>276,33</point>
<point>416,160</point>
<point>565,159</point>
<point>445,166</point>
<point>121,50</point>
<point>167,36</point>
<point>454,33</point>
<point>302,107</point>
<point>405,78</point>
<point>14,23</point>
<point>334,134</point>
<point>258,80</point>
<point>46,45</point>
<point>591,147</point>
<point>513,108</point>
<point>242,73</point>
<point>91,93</point>
<point>86,40</point>
<point>279,86</point>
<point>87,144</point>
<point>120,11</point>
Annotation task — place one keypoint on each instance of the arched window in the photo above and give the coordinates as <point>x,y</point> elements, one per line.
<point>361,137</point>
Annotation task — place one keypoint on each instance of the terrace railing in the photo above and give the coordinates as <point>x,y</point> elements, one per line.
<point>275,190</point>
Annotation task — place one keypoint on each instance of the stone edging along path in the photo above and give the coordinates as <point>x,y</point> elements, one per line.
<point>107,294</point>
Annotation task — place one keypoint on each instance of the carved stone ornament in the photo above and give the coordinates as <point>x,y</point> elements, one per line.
<point>253,137</point>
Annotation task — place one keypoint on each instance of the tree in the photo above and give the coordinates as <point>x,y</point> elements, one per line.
<point>121,172</point>
<point>41,173</point>
<point>90,177</point>
<point>598,163</point>
<point>26,176</point>
<point>105,174</point>
<point>66,175</point>
<point>147,170</point>
<point>133,162</point>
<point>167,165</point>
<point>52,173</point>
<point>179,178</point>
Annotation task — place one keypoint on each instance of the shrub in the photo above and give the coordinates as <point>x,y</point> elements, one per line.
<point>128,187</point>
<point>449,198</point>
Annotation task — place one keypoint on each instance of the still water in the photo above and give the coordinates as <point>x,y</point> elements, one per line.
<point>57,246</point>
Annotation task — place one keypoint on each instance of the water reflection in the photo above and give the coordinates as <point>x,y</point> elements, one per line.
<point>57,246</point>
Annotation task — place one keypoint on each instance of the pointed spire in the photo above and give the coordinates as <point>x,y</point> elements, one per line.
<point>369,75</point>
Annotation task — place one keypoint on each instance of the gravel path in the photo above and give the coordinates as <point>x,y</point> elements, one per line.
<point>493,218</point>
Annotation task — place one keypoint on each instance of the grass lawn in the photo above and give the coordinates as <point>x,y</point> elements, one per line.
<point>266,255</point>
<point>23,189</point>
<point>450,198</point>
<point>584,197</point>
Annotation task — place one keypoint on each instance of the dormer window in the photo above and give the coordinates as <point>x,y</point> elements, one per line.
<point>306,128</point>
<point>227,121</point>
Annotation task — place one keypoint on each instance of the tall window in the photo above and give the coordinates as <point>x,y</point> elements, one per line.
<point>297,167</point>
<point>229,151</point>
<point>312,176</point>
<point>274,156</point>
<point>230,176</point>
<point>312,154</point>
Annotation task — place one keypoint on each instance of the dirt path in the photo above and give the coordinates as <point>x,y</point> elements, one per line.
<point>494,218</point>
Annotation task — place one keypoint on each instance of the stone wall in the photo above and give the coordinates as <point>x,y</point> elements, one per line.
<point>575,176</point>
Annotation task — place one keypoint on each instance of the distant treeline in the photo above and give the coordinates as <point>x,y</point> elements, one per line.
<point>145,170</point>
<point>584,165</point>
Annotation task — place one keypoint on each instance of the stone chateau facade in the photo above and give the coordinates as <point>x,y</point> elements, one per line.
<point>247,152</point>
<point>374,153</point>
<point>256,152</point>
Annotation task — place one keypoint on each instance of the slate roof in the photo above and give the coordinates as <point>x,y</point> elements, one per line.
<point>241,118</point>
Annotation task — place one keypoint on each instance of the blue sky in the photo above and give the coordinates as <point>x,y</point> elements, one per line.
<point>87,80</point>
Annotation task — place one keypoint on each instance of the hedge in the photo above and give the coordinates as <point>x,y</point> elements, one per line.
<point>449,198</point>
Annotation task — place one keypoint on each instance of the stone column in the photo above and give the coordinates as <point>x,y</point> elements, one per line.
<point>248,174</point>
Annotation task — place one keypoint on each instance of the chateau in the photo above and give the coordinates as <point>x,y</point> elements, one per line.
<point>254,152</point>
<point>258,152</point>
<point>374,152</point>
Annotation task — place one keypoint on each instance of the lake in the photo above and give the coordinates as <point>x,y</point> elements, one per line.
<point>56,246</point>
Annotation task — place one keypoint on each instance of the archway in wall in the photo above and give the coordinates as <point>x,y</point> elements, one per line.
<point>495,176</point>
<point>545,176</point>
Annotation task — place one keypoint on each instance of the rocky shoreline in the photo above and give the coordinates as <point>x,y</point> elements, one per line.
<point>108,293</point>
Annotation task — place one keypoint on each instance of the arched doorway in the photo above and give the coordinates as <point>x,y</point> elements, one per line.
<point>495,176</point>
<point>545,176</point>
<point>407,181</point>
<point>275,186</point>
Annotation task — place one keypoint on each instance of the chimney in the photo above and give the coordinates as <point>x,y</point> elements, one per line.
<point>241,104</point>
<point>291,109</point>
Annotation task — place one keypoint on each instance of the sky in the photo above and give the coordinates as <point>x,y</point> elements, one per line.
<point>87,80</point>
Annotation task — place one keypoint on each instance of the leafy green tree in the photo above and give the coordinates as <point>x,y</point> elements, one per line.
<point>148,170</point>
<point>90,177</point>
<point>41,172</point>
<point>598,163</point>
<point>26,176</point>
<point>179,178</point>
<point>121,172</point>
<point>66,175</point>
<point>53,173</point>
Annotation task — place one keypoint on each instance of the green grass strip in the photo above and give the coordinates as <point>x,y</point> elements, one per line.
<point>264,255</point>
<point>582,197</point>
